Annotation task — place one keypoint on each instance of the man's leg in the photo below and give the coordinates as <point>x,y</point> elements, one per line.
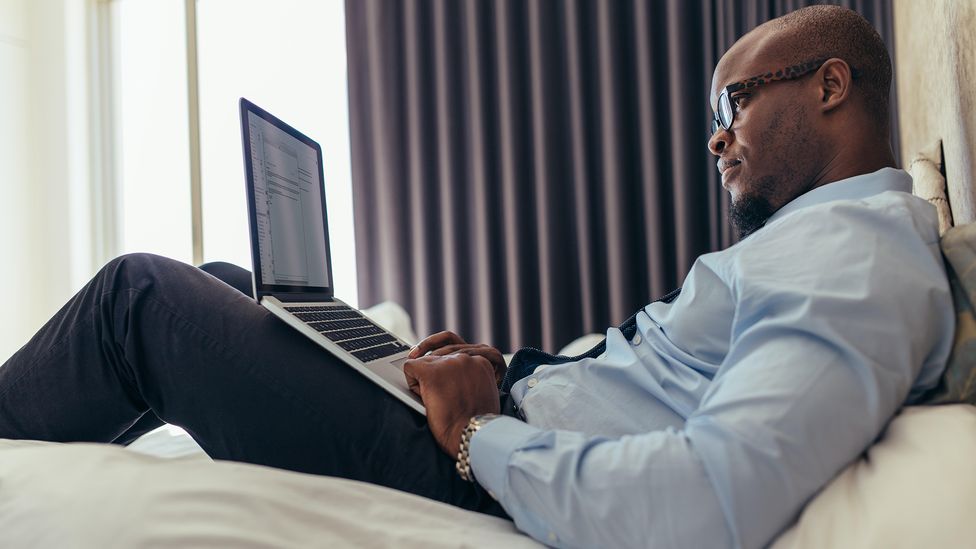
<point>228,273</point>
<point>232,275</point>
<point>149,334</point>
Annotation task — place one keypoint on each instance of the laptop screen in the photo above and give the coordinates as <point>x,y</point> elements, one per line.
<point>286,206</point>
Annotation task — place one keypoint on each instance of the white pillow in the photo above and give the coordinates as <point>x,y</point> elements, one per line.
<point>916,487</point>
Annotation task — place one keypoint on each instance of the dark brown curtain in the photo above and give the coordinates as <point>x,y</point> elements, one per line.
<point>527,171</point>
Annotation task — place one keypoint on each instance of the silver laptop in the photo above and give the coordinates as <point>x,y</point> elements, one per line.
<point>290,252</point>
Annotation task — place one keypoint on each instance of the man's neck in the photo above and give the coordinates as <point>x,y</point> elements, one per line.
<point>853,162</point>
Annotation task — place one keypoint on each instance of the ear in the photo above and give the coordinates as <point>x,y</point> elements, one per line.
<point>834,81</point>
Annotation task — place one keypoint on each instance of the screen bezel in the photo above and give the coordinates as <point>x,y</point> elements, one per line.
<point>281,291</point>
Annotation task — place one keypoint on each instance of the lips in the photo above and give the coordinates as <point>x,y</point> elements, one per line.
<point>727,169</point>
<point>725,165</point>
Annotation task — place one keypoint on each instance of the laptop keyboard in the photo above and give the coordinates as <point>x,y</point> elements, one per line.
<point>349,329</point>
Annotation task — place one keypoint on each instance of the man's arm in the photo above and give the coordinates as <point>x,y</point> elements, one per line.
<point>570,490</point>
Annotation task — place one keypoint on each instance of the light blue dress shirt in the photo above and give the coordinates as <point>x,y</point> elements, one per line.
<point>782,359</point>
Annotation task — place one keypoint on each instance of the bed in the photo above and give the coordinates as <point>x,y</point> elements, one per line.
<point>914,487</point>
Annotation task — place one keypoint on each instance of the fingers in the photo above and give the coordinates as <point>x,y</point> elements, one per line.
<point>486,351</point>
<point>467,348</point>
<point>416,370</point>
<point>487,366</point>
<point>412,370</point>
<point>435,341</point>
<point>489,353</point>
<point>422,371</point>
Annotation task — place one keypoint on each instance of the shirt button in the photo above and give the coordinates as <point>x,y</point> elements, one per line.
<point>541,367</point>
<point>637,339</point>
<point>552,537</point>
<point>492,494</point>
<point>532,382</point>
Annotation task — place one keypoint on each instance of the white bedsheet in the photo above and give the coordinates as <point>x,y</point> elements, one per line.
<point>91,495</point>
<point>916,487</point>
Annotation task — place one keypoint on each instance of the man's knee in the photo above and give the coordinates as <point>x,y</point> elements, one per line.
<point>139,270</point>
<point>139,262</point>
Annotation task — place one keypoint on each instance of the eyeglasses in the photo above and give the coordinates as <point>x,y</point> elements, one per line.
<point>727,106</point>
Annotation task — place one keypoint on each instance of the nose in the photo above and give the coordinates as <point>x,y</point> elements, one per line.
<point>719,140</point>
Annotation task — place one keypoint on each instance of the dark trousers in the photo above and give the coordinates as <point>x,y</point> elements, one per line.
<point>151,339</point>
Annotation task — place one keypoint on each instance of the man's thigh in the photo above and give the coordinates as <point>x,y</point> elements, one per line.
<point>274,397</point>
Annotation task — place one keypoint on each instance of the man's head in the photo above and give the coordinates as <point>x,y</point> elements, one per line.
<point>809,94</point>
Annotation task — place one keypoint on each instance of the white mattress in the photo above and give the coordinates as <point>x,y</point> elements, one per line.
<point>91,495</point>
<point>915,488</point>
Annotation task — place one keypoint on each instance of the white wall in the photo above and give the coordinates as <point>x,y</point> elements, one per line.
<point>41,245</point>
<point>16,203</point>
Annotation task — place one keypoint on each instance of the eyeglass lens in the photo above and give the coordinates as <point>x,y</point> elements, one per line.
<point>725,115</point>
<point>725,112</point>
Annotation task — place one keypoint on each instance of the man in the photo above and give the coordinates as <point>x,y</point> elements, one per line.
<point>707,422</point>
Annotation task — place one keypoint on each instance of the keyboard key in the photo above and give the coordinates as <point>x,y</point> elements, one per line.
<point>313,316</point>
<point>364,342</point>
<point>354,333</point>
<point>373,353</point>
<point>334,325</point>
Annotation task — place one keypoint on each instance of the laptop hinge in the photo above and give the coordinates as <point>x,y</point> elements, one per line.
<point>301,297</point>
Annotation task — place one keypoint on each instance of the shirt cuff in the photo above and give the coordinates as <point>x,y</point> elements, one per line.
<point>491,449</point>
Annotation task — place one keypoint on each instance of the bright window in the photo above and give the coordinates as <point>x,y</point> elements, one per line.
<point>287,56</point>
<point>153,141</point>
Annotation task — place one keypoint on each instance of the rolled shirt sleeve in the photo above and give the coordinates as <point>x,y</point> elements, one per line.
<point>832,326</point>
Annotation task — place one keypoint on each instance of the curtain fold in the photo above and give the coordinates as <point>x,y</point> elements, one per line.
<point>528,171</point>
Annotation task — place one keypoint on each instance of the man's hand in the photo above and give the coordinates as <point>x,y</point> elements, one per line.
<point>454,389</point>
<point>446,343</point>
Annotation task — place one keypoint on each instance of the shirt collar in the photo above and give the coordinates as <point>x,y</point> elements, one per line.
<point>852,188</point>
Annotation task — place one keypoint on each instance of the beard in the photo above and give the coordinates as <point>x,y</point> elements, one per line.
<point>787,162</point>
<point>749,214</point>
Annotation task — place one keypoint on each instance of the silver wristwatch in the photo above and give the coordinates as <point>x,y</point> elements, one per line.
<point>463,465</point>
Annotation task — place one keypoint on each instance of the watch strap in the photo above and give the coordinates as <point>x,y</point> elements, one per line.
<point>463,464</point>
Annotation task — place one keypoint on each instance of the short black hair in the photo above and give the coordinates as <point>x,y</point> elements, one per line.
<point>822,32</point>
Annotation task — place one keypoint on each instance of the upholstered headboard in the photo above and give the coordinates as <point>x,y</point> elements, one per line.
<point>935,73</point>
<point>928,182</point>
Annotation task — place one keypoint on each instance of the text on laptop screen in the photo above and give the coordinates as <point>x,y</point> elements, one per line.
<point>288,203</point>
